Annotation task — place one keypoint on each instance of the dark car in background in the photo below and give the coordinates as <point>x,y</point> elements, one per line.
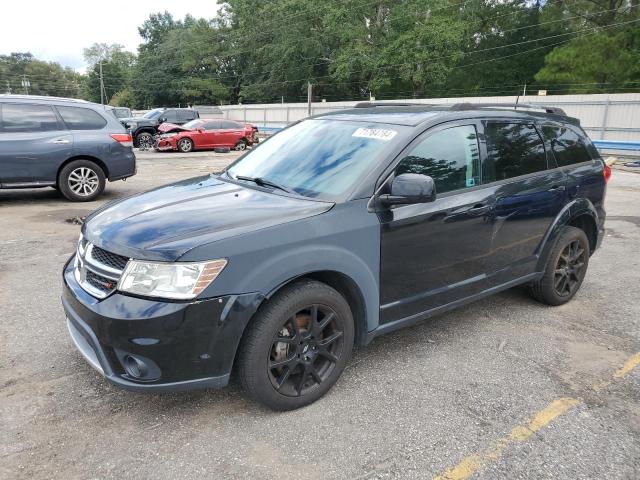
<point>71,145</point>
<point>206,133</point>
<point>145,127</point>
<point>119,112</point>
<point>336,230</point>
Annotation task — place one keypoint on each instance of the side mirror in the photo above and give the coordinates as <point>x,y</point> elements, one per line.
<point>162,119</point>
<point>201,130</point>
<point>410,188</point>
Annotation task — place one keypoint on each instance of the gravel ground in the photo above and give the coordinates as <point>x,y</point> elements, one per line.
<point>411,405</point>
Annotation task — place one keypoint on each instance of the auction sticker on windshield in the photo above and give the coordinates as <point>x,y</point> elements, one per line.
<point>375,133</point>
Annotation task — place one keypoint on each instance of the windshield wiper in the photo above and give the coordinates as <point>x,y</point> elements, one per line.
<point>263,182</point>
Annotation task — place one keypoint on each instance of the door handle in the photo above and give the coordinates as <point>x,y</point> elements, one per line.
<point>62,141</point>
<point>477,210</point>
<point>556,188</point>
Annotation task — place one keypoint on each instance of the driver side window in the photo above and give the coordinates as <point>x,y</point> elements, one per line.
<point>451,157</point>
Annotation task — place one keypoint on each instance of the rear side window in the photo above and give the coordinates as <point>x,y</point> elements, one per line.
<point>567,146</point>
<point>451,157</point>
<point>18,118</point>
<point>78,118</point>
<point>513,149</point>
<point>230,124</point>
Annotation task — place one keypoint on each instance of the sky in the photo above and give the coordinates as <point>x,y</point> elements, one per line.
<point>59,30</point>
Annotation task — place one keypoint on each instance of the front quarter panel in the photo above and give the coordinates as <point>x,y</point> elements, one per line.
<point>346,239</point>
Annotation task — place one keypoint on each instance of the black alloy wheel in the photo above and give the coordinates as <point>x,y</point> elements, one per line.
<point>296,346</point>
<point>565,269</point>
<point>568,272</point>
<point>305,350</point>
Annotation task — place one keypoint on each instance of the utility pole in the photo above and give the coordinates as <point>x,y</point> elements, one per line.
<point>524,90</point>
<point>26,84</point>
<point>101,85</point>
<point>309,97</point>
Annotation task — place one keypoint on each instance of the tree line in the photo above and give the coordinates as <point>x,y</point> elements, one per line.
<point>254,52</point>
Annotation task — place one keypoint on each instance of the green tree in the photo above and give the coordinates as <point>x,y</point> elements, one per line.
<point>44,78</point>
<point>117,69</point>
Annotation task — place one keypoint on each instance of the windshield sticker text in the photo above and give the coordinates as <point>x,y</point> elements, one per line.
<point>375,133</point>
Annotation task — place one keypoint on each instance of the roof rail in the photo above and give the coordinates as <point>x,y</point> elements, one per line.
<point>515,106</point>
<point>392,104</point>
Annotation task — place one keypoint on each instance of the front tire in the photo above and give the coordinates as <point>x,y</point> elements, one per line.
<point>144,140</point>
<point>565,269</point>
<point>81,181</point>
<point>185,145</point>
<point>297,346</point>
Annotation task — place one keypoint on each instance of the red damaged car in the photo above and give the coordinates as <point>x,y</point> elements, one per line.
<point>206,133</point>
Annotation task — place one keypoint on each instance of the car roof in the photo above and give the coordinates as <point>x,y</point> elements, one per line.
<point>43,98</point>
<point>418,114</point>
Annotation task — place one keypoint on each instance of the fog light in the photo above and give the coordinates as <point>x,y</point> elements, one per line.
<point>135,367</point>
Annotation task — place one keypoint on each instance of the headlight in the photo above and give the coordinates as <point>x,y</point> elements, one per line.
<point>180,281</point>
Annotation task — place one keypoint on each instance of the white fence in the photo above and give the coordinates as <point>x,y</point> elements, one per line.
<point>604,116</point>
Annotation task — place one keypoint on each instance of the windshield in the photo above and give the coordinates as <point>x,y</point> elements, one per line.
<point>192,124</point>
<point>153,114</point>
<point>319,158</point>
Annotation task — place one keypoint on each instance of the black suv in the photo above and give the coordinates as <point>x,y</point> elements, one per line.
<point>340,228</point>
<point>69,144</point>
<point>145,127</point>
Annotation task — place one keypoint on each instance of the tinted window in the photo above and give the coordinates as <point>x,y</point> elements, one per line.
<point>186,115</point>
<point>230,124</point>
<point>78,118</point>
<point>153,114</point>
<point>567,146</point>
<point>170,116</point>
<point>513,149</point>
<point>28,118</point>
<point>211,125</point>
<point>451,157</point>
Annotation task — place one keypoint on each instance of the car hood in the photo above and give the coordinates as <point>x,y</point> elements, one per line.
<point>171,127</point>
<point>165,223</point>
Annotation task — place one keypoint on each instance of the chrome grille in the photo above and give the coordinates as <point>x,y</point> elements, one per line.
<point>96,270</point>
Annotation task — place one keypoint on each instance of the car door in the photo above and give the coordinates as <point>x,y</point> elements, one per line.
<point>33,144</point>
<point>528,192</point>
<point>433,253</point>
<point>211,136</point>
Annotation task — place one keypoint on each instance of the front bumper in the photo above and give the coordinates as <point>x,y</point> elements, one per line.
<point>163,144</point>
<point>177,345</point>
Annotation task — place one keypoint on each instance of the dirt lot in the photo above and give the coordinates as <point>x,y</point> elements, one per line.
<point>503,388</point>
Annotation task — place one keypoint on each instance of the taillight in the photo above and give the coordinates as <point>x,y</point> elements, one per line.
<point>606,173</point>
<point>123,139</point>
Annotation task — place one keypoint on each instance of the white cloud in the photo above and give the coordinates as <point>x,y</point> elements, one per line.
<point>60,30</point>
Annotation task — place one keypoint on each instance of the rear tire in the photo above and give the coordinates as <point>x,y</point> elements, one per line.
<point>81,181</point>
<point>297,346</point>
<point>565,269</point>
<point>240,146</point>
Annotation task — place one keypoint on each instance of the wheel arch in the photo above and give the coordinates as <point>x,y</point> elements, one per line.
<point>89,158</point>
<point>579,213</point>
<point>346,287</point>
